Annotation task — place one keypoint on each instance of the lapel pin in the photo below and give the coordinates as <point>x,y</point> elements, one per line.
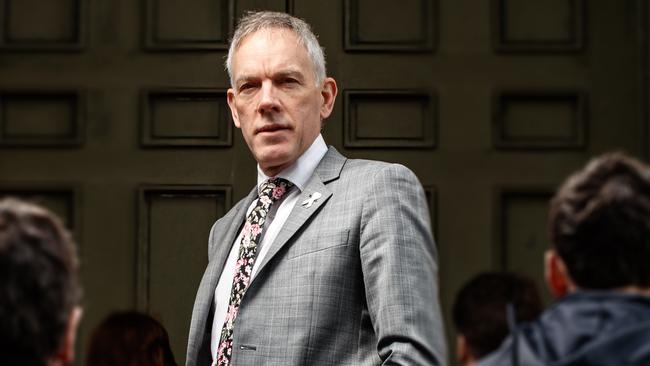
<point>312,198</point>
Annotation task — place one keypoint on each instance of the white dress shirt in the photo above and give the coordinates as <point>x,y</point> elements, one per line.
<point>298,173</point>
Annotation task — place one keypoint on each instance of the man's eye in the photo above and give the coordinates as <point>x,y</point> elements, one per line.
<point>246,86</point>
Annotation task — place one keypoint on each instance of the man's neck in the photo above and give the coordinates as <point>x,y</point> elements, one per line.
<point>300,171</point>
<point>274,170</point>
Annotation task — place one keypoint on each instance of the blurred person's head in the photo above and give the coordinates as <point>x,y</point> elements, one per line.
<point>480,311</point>
<point>130,339</point>
<point>39,287</point>
<point>599,225</point>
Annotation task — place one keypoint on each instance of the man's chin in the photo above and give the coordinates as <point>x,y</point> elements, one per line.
<point>275,161</point>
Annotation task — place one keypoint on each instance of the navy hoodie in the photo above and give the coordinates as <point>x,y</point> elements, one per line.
<point>584,328</point>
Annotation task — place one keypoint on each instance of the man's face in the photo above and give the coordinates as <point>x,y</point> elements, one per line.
<point>275,100</point>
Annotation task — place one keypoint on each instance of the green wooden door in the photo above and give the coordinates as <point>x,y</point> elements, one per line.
<point>113,114</point>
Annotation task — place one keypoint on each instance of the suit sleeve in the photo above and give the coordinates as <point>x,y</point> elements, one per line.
<point>400,271</point>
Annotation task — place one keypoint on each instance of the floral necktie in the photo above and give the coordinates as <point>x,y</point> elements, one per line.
<point>271,191</point>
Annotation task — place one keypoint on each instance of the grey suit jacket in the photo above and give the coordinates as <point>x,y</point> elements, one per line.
<point>350,280</point>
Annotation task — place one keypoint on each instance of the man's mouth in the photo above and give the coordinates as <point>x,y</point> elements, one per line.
<point>272,128</point>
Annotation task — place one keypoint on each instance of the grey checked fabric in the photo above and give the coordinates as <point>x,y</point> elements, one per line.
<point>271,191</point>
<point>350,280</point>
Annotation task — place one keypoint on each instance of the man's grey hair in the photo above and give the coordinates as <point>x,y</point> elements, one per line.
<point>252,22</point>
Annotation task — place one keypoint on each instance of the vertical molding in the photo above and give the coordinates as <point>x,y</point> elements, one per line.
<point>4,23</point>
<point>290,7</point>
<point>644,79</point>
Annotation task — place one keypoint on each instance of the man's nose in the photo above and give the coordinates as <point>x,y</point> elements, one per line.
<point>268,98</point>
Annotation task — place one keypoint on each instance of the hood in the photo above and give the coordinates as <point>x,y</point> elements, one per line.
<point>584,328</point>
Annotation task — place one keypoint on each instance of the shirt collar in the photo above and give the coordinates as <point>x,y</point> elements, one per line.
<point>302,169</point>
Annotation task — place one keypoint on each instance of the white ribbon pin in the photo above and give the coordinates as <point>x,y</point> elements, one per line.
<point>312,198</point>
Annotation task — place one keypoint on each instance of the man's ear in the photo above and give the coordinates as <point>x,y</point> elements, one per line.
<point>328,93</point>
<point>233,110</point>
<point>556,274</point>
<point>65,354</point>
<point>463,353</point>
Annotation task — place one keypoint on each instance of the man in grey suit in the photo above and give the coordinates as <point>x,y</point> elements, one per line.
<point>328,261</point>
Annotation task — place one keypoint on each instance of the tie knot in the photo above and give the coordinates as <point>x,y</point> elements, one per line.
<point>275,188</point>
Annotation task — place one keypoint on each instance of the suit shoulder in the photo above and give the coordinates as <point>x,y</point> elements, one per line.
<point>371,170</point>
<point>373,165</point>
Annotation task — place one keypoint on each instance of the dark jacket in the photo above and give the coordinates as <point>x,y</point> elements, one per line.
<point>9,359</point>
<point>584,328</point>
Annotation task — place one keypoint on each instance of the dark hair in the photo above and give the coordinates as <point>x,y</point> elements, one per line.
<point>130,339</point>
<point>599,223</point>
<point>39,285</point>
<point>479,312</point>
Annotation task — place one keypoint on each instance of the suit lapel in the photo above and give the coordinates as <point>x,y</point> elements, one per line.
<point>327,170</point>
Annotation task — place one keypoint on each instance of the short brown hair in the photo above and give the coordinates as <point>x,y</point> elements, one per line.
<point>479,311</point>
<point>599,223</point>
<point>130,338</point>
<point>38,280</point>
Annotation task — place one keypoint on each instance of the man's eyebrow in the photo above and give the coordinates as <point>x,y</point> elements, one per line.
<point>244,78</point>
<point>289,73</point>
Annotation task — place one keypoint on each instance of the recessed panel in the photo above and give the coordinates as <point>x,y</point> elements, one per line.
<point>186,117</point>
<point>175,222</point>
<point>523,234</point>
<point>178,24</point>
<point>534,120</point>
<point>392,118</point>
<point>385,25</point>
<point>40,118</point>
<point>538,25</point>
<point>36,24</point>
